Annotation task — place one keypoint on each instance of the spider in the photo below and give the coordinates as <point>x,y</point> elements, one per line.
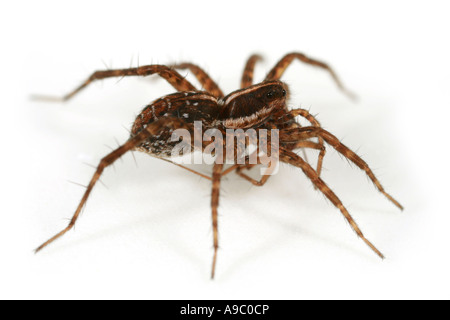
<point>261,106</point>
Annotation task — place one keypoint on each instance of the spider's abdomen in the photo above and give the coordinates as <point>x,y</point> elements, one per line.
<point>177,110</point>
<point>188,106</point>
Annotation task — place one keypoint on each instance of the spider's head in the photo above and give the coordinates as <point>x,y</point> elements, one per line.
<point>249,107</point>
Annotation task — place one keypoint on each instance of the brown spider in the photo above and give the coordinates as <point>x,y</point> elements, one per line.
<point>259,106</point>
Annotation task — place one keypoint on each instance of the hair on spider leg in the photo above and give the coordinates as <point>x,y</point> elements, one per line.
<point>134,158</point>
<point>78,184</point>
<point>120,79</point>
<point>131,62</point>
<point>127,129</point>
<point>106,65</point>
<point>118,145</point>
<point>132,152</point>
<point>89,165</point>
<point>102,183</point>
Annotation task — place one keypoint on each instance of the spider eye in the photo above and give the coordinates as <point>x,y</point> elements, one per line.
<point>270,94</point>
<point>284,93</point>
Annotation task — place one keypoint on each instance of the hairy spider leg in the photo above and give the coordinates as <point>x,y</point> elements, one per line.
<point>172,76</point>
<point>264,178</point>
<point>205,80</point>
<point>258,183</point>
<point>133,142</point>
<point>247,76</point>
<point>314,132</point>
<point>295,160</point>
<point>216,176</point>
<point>313,121</point>
<point>295,145</point>
<point>278,70</point>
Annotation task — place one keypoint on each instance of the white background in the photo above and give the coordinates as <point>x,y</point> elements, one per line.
<point>148,235</point>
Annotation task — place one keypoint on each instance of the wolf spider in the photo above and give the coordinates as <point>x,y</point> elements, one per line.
<point>262,105</point>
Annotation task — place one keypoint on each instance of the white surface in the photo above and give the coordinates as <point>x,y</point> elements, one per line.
<point>148,235</point>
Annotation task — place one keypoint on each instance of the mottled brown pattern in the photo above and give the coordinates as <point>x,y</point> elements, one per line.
<point>260,106</point>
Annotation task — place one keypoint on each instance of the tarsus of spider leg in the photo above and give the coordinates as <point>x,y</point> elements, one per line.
<point>45,98</point>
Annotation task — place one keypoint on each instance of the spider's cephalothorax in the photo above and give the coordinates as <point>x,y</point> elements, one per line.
<point>254,106</point>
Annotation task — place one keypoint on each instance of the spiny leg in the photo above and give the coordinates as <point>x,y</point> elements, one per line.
<point>247,76</point>
<point>314,132</point>
<point>314,122</point>
<point>105,162</point>
<point>205,80</point>
<point>278,70</point>
<point>249,166</point>
<point>295,160</point>
<point>172,76</point>
<point>255,182</point>
<point>265,177</point>
<point>217,175</point>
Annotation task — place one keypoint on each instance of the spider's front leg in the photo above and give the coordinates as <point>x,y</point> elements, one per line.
<point>295,160</point>
<point>300,144</point>
<point>267,175</point>
<point>172,76</point>
<point>216,177</point>
<point>278,70</point>
<point>304,133</point>
<point>151,130</point>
